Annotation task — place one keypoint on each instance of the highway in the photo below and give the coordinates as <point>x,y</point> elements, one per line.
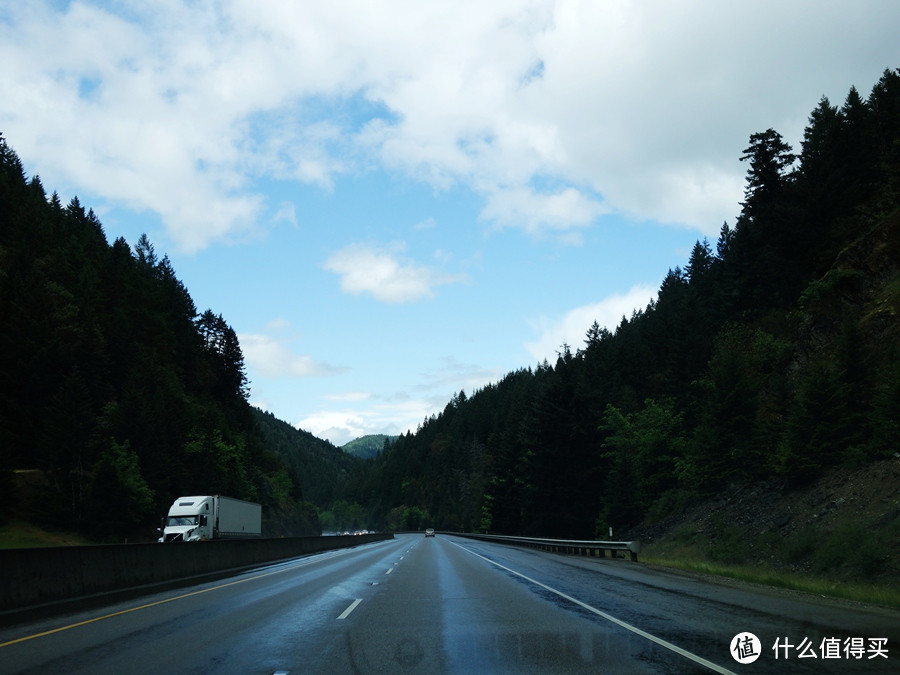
<point>452,605</point>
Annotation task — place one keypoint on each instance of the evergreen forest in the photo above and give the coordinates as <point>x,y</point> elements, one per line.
<point>117,394</point>
<point>772,354</point>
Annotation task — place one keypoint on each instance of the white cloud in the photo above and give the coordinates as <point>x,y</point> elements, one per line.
<point>126,112</point>
<point>287,213</point>
<point>338,426</point>
<point>572,327</point>
<point>453,375</point>
<point>350,396</point>
<point>363,413</point>
<point>379,272</point>
<point>271,358</point>
<point>392,418</point>
<point>538,212</point>
<point>634,106</point>
<point>278,324</point>
<point>427,224</point>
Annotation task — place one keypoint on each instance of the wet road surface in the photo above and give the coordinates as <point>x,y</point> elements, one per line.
<point>451,605</point>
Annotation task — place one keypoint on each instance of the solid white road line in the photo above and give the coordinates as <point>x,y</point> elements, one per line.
<point>609,617</point>
<point>347,611</point>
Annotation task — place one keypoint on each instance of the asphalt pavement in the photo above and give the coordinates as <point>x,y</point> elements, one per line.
<point>452,605</point>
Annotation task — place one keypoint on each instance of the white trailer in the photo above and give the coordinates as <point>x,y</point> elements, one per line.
<point>211,517</point>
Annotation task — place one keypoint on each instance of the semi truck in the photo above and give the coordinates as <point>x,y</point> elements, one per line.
<point>211,517</point>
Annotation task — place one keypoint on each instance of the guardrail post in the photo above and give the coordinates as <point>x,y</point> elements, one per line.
<point>634,547</point>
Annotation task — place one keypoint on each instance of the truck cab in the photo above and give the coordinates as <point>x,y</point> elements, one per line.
<point>211,517</point>
<point>189,519</point>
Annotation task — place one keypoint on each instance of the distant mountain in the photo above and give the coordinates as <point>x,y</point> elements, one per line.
<point>366,447</point>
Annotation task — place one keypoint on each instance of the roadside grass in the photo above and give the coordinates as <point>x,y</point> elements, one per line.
<point>871,593</point>
<point>853,554</point>
<point>19,534</point>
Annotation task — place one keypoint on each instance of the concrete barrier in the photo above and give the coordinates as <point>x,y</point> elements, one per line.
<point>35,576</point>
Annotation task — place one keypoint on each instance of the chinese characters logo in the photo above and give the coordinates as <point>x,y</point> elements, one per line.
<point>745,647</point>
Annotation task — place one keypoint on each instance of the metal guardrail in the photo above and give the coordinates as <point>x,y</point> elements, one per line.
<point>588,548</point>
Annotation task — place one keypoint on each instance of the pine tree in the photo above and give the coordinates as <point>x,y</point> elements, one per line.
<point>770,157</point>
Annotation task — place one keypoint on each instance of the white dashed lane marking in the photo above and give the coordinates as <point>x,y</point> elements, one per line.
<point>347,611</point>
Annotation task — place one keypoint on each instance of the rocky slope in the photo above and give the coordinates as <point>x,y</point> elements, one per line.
<point>843,527</point>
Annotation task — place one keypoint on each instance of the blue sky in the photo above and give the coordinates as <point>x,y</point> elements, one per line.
<point>391,202</point>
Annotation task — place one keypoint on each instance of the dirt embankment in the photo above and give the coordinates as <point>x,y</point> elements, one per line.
<point>844,526</point>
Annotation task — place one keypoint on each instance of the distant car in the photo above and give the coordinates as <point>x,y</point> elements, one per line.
<point>429,532</point>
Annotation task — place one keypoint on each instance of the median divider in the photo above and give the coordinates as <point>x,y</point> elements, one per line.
<point>36,576</point>
<point>588,547</point>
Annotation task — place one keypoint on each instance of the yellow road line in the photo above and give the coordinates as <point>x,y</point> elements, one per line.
<point>158,602</point>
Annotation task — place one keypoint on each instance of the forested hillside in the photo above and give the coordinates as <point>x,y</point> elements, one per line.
<point>117,395</point>
<point>773,353</point>
<point>367,446</point>
<point>321,468</point>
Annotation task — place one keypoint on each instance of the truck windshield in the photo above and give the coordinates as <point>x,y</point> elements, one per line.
<point>173,521</point>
